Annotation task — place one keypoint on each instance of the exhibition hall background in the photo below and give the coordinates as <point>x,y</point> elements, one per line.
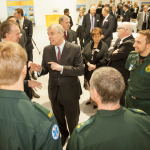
<point>45,7</point>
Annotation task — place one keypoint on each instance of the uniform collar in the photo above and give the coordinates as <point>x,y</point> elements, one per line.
<point>13,94</point>
<point>111,112</point>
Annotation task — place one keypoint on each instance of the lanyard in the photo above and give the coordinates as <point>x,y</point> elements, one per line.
<point>138,64</point>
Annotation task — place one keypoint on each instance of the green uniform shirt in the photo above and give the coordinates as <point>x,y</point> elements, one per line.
<point>139,81</point>
<point>25,125</point>
<point>120,129</point>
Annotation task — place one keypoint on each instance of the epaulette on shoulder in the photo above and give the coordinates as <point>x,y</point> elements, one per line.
<point>48,113</point>
<point>80,126</point>
<point>132,52</point>
<point>138,111</point>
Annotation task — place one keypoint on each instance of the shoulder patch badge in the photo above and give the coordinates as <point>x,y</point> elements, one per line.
<point>55,132</point>
<point>147,69</point>
<point>80,126</point>
<point>138,111</point>
<point>48,113</point>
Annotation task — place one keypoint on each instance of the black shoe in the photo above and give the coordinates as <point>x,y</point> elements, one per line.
<point>94,107</point>
<point>64,140</point>
<point>34,94</point>
<point>87,103</point>
<point>33,76</point>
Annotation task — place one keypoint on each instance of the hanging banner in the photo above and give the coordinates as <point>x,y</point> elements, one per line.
<point>26,5</point>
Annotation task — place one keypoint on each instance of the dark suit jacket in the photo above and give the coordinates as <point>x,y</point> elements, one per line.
<point>68,81</point>
<point>71,22</point>
<point>23,39</point>
<point>118,60</point>
<point>107,28</point>
<point>126,16</point>
<point>99,11</point>
<point>115,18</point>
<point>86,24</point>
<point>71,36</point>
<point>99,59</point>
<point>27,26</point>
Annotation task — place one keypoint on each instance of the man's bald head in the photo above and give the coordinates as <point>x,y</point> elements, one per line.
<point>145,8</point>
<point>125,29</point>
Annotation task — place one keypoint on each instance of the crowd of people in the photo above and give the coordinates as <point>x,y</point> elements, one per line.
<point>116,76</point>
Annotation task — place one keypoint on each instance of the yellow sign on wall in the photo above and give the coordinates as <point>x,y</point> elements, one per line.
<point>19,3</point>
<point>52,19</point>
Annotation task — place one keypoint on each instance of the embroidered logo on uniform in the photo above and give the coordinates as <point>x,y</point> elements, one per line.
<point>55,132</point>
<point>147,69</point>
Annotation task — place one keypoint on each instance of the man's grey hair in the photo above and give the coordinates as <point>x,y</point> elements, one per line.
<point>128,26</point>
<point>92,7</point>
<point>61,18</point>
<point>58,28</point>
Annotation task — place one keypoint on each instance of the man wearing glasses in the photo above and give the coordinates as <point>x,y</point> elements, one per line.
<point>118,54</point>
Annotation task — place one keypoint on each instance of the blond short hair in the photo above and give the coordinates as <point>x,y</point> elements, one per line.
<point>12,60</point>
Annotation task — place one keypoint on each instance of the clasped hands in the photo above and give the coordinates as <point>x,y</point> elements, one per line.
<point>116,51</point>
<point>91,66</point>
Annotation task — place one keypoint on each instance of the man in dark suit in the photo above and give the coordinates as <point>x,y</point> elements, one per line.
<point>27,26</point>
<point>69,34</point>
<point>66,12</point>
<point>127,15</point>
<point>23,39</point>
<point>90,21</point>
<point>107,26</point>
<point>63,61</point>
<point>118,54</point>
<point>115,15</point>
<point>10,31</point>
<point>100,2</point>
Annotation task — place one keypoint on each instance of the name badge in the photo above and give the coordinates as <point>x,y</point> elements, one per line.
<point>130,68</point>
<point>73,42</point>
<point>97,50</point>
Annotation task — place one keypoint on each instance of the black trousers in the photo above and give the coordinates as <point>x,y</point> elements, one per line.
<point>30,55</point>
<point>62,110</point>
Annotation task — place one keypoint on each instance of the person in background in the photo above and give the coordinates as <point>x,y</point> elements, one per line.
<point>93,4</point>
<point>142,7</point>
<point>26,25</point>
<point>100,3</point>
<point>113,127</point>
<point>126,15</point>
<point>95,55</point>
<point>90,21</point>
<point>119,52</point>
<point>107,26</point>
<point>143,19</point>
<point>119,7</point>
<point>79,31</point>
<point>134,10</point>
<point>69,34</point>
<point>67,12</point>
<point>23,124</point>
<point>99,11</point>
<point>138,63</point>
<point>23,39</point>
<point>114,13</point>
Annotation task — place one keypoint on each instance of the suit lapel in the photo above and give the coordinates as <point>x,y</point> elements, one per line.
<point>53,54</point>
<point>65,53</point>
<point>95,21</point>
<point>89,19</point>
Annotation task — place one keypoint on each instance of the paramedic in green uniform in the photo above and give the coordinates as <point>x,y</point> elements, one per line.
<point>113,127</point>
<point>138,63</point>
<point>24,125</point>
